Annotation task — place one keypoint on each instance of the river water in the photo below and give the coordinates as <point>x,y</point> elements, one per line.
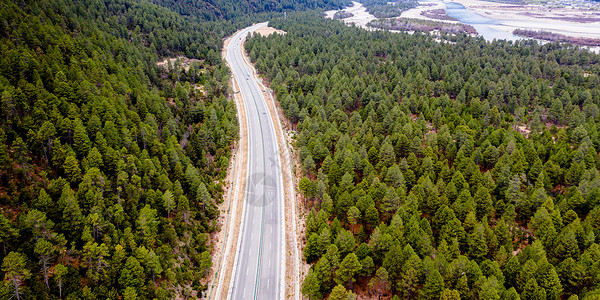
<point>482,24</point>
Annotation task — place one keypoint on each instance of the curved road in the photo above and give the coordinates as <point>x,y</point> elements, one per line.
<point>259,267</point>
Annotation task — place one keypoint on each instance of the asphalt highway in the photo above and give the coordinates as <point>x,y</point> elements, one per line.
<point>259,267</point>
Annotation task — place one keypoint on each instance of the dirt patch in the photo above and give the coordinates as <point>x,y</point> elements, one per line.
<point>180,61</point>
<point>429,11</point>
<point>360,16</point>
<point>267,31</point>
<point>524,130</point>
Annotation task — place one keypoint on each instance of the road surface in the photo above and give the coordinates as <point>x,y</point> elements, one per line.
<point>259,266</point>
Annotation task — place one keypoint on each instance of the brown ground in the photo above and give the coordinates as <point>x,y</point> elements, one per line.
<point>185,62</point>
<point>266,31</point>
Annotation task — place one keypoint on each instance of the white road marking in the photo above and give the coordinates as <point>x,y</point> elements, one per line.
<point>251,225</point>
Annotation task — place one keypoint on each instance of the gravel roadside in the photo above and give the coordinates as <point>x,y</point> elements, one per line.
<point>224,250</point>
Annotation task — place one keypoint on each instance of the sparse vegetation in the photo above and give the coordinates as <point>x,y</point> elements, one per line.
<point>405,24</point>
<point>439,14</point>
<point>557,37</point>
<point>342,15</point>
<point>388,9</point>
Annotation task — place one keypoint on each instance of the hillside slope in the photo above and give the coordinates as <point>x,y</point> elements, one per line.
<point>110,165</point>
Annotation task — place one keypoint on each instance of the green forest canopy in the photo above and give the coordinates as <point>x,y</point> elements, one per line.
<point>441,170</point>
<point>111,167</point>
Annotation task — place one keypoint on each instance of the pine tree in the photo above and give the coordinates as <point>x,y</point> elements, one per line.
<point>490,289</point>
<point>394,176</point>
<point>60,271</point>
<point>44,249</point>
<point>348,268</point>
<point>130,293</point>
<point>132,274</point>
<point>15,267</point>
<point>393,262</point>
<point>510,294</point>
<point>340,293</point>
<point>367,266</point>
<point>44,135</point>
<point>353,216</point>
<point>148,224</point>
<point>311,286</point>
<point>477,243</point>
<point>81,141</point>
<point>409,283</point>
<point>483,202</point>
<point>39,224</point>
<point>380,284</point>
<point>72,170</point>
<point>345,242</point>
<point>448,294</point>
<point>153,263</point>
<point>7,231</point>
<point>390,202</point>
<point>548,279</point>
<point>386,154</point>
<point>312,248</point>
<point>532,291</point>
<point>169,202</point>
<point>96,260</point>
<point>434,285</point>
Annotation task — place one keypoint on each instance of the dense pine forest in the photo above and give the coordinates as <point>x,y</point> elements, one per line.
<point>459,169</point>
<point>111,166</point>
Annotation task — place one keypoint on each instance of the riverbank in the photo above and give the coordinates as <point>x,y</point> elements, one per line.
<point>566,21</point>
<point>494,20</point>
<point>360,16</point>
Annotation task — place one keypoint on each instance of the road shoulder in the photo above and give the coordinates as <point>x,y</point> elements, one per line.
<point>286,157</point>
<point>224,256</point>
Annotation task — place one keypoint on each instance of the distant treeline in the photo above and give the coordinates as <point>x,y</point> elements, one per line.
<point>508,1</point>
<point>439,14</point>
<point>421,25</point>
<point>232,9</point>
<point>557,37</point>
<point>384,9</point>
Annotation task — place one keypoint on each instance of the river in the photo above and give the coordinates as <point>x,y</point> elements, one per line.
<point>483,25</point>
